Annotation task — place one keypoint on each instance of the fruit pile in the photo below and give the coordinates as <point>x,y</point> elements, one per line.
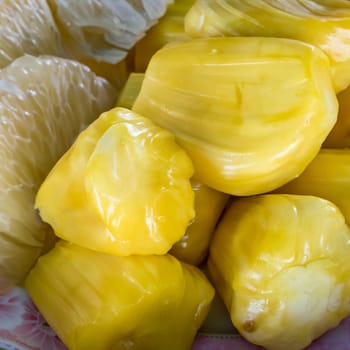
<point>133,160</point>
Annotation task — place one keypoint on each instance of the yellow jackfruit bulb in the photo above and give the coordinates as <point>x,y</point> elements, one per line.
<point>327,176</point>
<point>170,28</point>
<point>130,90</point>
<point>339,137</point>
<point>281,265</point>
<point>208,203</point>
<point>124,187</point>
<point>194,244</point>
<point>247,128</point>
<point>101,301</point>
<point>325,24</point>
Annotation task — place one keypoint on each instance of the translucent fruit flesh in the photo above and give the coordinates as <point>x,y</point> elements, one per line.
<point>40,115</point>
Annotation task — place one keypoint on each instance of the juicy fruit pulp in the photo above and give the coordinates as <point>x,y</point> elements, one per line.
<point>281,265</point>
<point>130,90</point>
<point>246,127</point>
<point>327,176</point>
<point>124,188</point>
<point>97,33</point>
<point>325,24</point>
<point>41,114</point>
<point>27,27</point>
<point>100,301</point>
<point>208,203</point>
<point>170,28</point>
<point>193,246</point>
<point>105,30</point>
<point>339,137</point>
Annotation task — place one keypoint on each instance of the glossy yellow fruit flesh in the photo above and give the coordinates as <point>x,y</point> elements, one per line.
<point>194,244</point>
<point>100,301</point>
<point>41,113</point>
<point>325,24</point>
<point>327,176</point>
<point>170,28</point>
<point>250,112</point>
<point>130,90</point>
<point>124,188</point>
<point>208,203</point>
<point>281,264</point>
<point>339,137</point>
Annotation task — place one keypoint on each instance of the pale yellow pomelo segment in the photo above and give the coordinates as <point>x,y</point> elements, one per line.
<point>44,103</point>
<point>325,24</point>
<point>100,301</point>
<point>250,112</point>
<point>27,27</point>
<point>104,30</point>
<point>124,188</point>
<point>281,264</point>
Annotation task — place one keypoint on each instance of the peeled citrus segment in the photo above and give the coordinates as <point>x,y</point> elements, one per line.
<point>104,30</point>
<point>281,264</point>
<point>27,27</point>
<point>124,188</point>
<point>100,301</point>
<point>247,128</point>
<point>193,246</point>
<point>327,176</point>
<point>325,24</point>
<point>44,103</point>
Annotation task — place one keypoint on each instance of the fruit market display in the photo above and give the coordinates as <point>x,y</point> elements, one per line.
<point>162,157</point>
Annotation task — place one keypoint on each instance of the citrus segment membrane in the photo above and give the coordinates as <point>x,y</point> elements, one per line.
<point>44,103</point>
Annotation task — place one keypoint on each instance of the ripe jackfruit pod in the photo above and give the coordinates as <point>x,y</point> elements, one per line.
<point>281,264</point>
<point>100,301</point>
<point>170,28</point>
<point>325,24</point>
<point>247,128</point>
<point>124,188</point>
<point>339,137</point>
<point>194,244</point>
<point>327,176</point>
